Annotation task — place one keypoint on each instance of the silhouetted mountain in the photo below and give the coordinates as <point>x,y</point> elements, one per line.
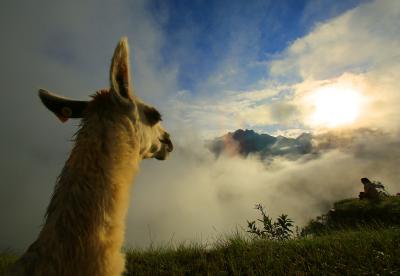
<point>245,142</point>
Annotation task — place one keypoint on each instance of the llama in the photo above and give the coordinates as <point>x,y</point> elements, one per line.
<point>84,223</point>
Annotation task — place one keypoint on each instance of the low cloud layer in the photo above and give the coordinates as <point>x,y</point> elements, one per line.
<point>196,196</point>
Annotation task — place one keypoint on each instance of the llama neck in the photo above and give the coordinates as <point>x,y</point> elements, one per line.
<point>90,200</point>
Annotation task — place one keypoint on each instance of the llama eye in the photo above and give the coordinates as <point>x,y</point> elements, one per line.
<point>152,115</point>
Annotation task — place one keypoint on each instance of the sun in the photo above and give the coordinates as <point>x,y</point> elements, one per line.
<point>334,106</point>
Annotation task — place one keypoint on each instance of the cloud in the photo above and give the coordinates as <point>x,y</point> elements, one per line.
<point>194,196</point>
<point>354,49</point>
<point>229,110</point>
<point>355,41</point>
<point>357,49</point>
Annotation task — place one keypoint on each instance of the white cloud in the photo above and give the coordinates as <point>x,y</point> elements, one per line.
<point>202,194</point>
<point>356,41</point>
<point>358,48</point>
<point>195,196</point>
<point>229,110</point>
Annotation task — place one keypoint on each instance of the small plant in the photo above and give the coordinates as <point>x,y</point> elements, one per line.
<point>278,230</point>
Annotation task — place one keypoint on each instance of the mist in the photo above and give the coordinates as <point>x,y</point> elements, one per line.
<point>195,196</point>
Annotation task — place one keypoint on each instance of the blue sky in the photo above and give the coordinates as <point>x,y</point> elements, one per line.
<point>217,49</point>
<point>202,35</point>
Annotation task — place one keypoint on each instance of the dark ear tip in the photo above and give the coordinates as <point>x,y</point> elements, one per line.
<point>45,95</point>
<point>42,93</point>
<point>48,99</point>
<point>62,107</point>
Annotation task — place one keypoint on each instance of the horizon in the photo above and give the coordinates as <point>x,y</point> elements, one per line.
<point>329,68</point>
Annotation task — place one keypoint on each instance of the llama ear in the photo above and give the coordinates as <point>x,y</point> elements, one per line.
<point>63,108</point>
<point>119,71</point>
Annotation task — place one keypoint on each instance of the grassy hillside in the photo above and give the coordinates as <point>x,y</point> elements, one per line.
<point>354,213</point>
<point>366,244</point>
<point>362,252</point>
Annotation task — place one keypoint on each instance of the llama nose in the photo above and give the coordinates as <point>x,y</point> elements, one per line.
<point>170,146</point>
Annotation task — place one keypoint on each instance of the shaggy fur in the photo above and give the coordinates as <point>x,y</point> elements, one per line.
<point>84,223</point>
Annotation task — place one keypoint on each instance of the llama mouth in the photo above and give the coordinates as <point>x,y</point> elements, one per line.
<point>162,156</point>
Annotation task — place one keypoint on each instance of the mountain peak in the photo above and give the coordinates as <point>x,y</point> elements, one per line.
<point>245,142</point>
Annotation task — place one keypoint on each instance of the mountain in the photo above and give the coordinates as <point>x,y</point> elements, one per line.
<point>245,142</point>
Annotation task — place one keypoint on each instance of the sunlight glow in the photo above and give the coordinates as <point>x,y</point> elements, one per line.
<point>334,106</point>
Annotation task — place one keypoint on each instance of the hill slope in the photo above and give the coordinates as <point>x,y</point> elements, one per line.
<point>355,213</point>
<point>365,250</point>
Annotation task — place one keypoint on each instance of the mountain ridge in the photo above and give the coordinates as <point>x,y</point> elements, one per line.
<point>246,142</point>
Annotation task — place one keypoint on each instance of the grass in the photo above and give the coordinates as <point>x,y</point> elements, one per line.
<point>367,249</point>
<point>386,210</point>
<point>354,213</point>
<point>361,252</point>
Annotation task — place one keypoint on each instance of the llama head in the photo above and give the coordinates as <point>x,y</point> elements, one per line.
<point>117,103</point>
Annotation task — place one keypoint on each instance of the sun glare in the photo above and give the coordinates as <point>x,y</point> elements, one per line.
<point>334,106</point>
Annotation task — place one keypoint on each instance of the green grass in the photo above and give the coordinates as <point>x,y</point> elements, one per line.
<point>386,210</point>
<point>367,245</point>
<point>361,252</point>
<point>354,213</point>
